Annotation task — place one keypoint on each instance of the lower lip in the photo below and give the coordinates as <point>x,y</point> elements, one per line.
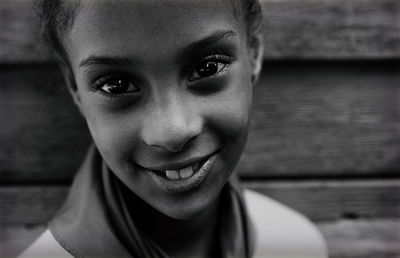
<point>182,185</point>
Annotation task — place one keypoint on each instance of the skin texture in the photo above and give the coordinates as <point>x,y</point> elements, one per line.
<point>171,112</point>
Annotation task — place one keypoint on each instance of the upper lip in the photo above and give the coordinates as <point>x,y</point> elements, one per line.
<point>177,165</point>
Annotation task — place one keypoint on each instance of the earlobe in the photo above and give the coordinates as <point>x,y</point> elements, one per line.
<point>256,50</point>
<point>71,85</point>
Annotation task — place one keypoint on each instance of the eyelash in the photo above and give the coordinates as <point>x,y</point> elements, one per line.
<point>219,59</point>
<point>215,58</point>
<point>108,79</point>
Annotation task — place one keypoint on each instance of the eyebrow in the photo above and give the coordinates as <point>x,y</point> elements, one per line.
<point>188,50</point>
<point>203,43</point>
<point>105,60</point>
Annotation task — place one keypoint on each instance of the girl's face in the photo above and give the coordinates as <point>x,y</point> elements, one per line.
<point>165,88</point>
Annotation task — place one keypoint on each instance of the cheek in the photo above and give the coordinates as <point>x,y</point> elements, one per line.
<point>231,117</point>
<point>113,134</point>
<point>231,111</point>
<point>231,122</point>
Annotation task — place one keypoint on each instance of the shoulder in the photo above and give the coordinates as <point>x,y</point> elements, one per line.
<point>281,231</point>
<point>45,246</point>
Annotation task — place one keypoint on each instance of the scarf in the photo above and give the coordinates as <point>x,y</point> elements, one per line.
<point>95,221</point>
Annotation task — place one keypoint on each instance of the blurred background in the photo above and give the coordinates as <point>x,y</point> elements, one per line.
<point>325,136</point>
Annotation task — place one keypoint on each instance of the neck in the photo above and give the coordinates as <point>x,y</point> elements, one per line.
<point>180,238</point>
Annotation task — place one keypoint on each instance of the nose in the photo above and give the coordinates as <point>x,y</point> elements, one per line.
<point>172,125</point>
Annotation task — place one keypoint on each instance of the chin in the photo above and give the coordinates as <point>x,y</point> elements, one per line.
<point>191,208</point>
<point>185,213</point>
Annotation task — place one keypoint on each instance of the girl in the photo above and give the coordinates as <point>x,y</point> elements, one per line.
<point>165,87</point>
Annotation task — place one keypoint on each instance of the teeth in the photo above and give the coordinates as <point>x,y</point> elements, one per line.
<point>186,172</point>
<point>179,174</point>
<point>172,174</point>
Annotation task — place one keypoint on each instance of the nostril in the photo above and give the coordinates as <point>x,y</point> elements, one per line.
<point>172,137</point>
<point>169,145</point>
<point>175,146</point>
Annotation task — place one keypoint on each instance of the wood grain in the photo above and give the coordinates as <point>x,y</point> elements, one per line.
<point>312,29</point>
<point>15,239</point>
<point>336,199</point>
<point>362,238</point>
<point>319,200</point>
<point>309,120</point>
<point>337,119</point>
<point>41,133</point>
<point>30,204</point>
<point>345,238</point>
<point>325,135</point>
<point>332,29</point>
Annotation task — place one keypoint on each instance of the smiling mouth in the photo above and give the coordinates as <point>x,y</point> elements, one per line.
<point>179,180</point>
<point>183,173</point>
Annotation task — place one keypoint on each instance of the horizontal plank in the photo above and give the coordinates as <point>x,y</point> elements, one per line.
<point>14,240</point>
<point>321,201</point>
<point>309,120</point>
<point>336,199</point>
<point>30,205</point>
<point>332,29</point>
<point>362,238</point>
<point>345,238</point>
<point>41,133</point>
<point>319,29</point>
<point>325,120</point>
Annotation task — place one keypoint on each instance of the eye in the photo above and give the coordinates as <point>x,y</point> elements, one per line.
<point>116,86</point>
<point>208,68</point>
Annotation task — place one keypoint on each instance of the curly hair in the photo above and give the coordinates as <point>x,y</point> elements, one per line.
<point>56,16</point>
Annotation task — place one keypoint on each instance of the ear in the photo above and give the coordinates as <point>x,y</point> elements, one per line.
<point>256,50</point>
<point>71,85</point>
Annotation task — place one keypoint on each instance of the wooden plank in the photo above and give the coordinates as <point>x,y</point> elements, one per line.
<point>362,238</point>
<point>15,239</point>
<point>41,133</point>
<point>318,29</point>
<point>18,40</point>
<point>309,120</point>
<point>30,204</point>
<point>336,199</point>
<point>319,200</point>
<point>325,120</point>
<point>333,29</point>
<point>345,238</point>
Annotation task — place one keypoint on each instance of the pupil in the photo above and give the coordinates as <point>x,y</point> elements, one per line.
<point>118,86</point>
<point>208,69</point>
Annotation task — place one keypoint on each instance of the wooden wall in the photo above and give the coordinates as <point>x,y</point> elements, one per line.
<point>325,137</point>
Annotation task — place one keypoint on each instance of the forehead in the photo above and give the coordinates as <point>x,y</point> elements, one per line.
<point>147,25</point>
